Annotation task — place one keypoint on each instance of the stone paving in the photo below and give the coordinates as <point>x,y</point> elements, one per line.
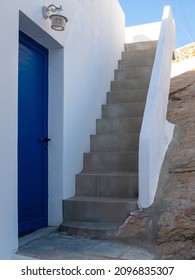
<point>50,244</point>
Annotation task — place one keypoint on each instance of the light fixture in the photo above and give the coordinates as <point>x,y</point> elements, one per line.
<point>58,21</point>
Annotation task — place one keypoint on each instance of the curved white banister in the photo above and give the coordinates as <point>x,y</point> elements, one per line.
<point>156,132</point>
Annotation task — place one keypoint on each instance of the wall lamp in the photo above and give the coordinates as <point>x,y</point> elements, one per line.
<point>58,21</point>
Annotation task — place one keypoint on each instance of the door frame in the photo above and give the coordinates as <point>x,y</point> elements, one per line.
<point>55,115</point>
<point>37,48</point>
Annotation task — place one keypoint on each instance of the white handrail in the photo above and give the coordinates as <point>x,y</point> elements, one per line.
<point>156,132</point>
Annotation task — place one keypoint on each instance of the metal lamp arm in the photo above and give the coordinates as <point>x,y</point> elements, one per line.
<point>50,9</point>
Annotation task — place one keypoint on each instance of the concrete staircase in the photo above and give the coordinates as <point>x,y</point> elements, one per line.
<point>107,187</point>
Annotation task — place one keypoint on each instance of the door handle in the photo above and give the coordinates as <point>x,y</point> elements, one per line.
<point>45,139</point>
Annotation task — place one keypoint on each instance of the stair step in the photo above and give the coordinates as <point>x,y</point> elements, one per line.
<point>111,162</point>
<point>141,45</point>
<point>139,55</point>
<point>107,187</point>
<point>134,109</point>
<point>128,84</point>
<point>97,209</point>
<point>123,185</point>
<point>133,72</point>
<point>129,64</point>
<point>120,125</point>
<point>114,143</point>
<point>90,230</point>
<point>127,96</point>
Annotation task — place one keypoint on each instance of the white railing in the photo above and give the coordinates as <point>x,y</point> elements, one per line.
<point>156,132</point>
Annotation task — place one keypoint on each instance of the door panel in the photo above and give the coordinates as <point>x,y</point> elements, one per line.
<point>32,126</point>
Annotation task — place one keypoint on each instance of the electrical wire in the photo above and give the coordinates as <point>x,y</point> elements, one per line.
<point>187,23</point>
<point>189,34</point>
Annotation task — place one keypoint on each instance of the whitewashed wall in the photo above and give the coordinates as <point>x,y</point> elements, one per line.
<point>143,32</point>
<point>81,66</point>
<point>183,66</point>
<point>8,132</point>
<point>156,131</point>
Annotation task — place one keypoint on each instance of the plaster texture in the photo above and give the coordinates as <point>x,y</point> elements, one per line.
<point>156,132</point>
<point>82,60</point>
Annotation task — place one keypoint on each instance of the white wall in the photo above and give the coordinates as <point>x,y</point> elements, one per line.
<point>8,134</point>
<point>94,42</point>
<point>143,32</point>
<point>156,132</point>
<point>182,66</point>
<point>81,66</point>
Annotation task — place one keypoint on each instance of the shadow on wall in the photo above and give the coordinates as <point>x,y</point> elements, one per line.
<point>144,32</point>
<point>140,38</point>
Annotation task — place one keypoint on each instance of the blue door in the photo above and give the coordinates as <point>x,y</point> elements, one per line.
<point>32,135</point>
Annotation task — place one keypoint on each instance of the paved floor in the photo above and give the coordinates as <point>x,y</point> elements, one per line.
<point>49,243</point>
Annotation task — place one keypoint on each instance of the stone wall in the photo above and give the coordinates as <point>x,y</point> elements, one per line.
<point>168,226</point>
<point>185,52</point>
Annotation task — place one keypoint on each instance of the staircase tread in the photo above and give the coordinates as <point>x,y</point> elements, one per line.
<point>109,174</point>
<point>102,199</point>
<point>122,152</point>
<point>134,67</point>
<point>91,225</point>
<point>117,134</point>
<point>144,78</point>
<point>141,42</point>
<point>123,103</point>
<point>131,52</point>
<point>122,118</point>
<point>117,117</point>
<point>128,90</point>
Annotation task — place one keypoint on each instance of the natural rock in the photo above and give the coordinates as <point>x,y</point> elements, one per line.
<point>185,52</point>
<point>176,225</point>
<point>169,225</point>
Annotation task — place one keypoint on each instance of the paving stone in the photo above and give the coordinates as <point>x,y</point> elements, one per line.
<point>58,246</point>
<point>108,249</point>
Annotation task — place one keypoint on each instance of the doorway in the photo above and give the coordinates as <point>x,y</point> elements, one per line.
<point>32,135</point>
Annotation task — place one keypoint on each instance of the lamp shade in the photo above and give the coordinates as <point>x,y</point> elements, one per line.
<point>58,22</point>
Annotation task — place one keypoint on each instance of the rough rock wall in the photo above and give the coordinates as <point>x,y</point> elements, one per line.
<point>185,52</point>
<point>169,225</point>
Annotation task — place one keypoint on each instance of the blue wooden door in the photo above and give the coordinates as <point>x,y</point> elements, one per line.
<point>32,131</point>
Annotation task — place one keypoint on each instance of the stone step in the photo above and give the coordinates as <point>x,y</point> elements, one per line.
<point>123,185</point>
<point>134,62</point>
<point>119,125</point>
<point>90,229</point>
<point>97,209</point>
<point>128,84</point>
<point>114,142</point>
<point>141,46</point>
<point>133,72</point>
<point>141,55</point>
<point>107,187</point>
<point>106,162</point>
<point>134,109</point>
<point>127,96</point>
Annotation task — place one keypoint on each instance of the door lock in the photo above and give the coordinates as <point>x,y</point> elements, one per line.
<point>45,139</point>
